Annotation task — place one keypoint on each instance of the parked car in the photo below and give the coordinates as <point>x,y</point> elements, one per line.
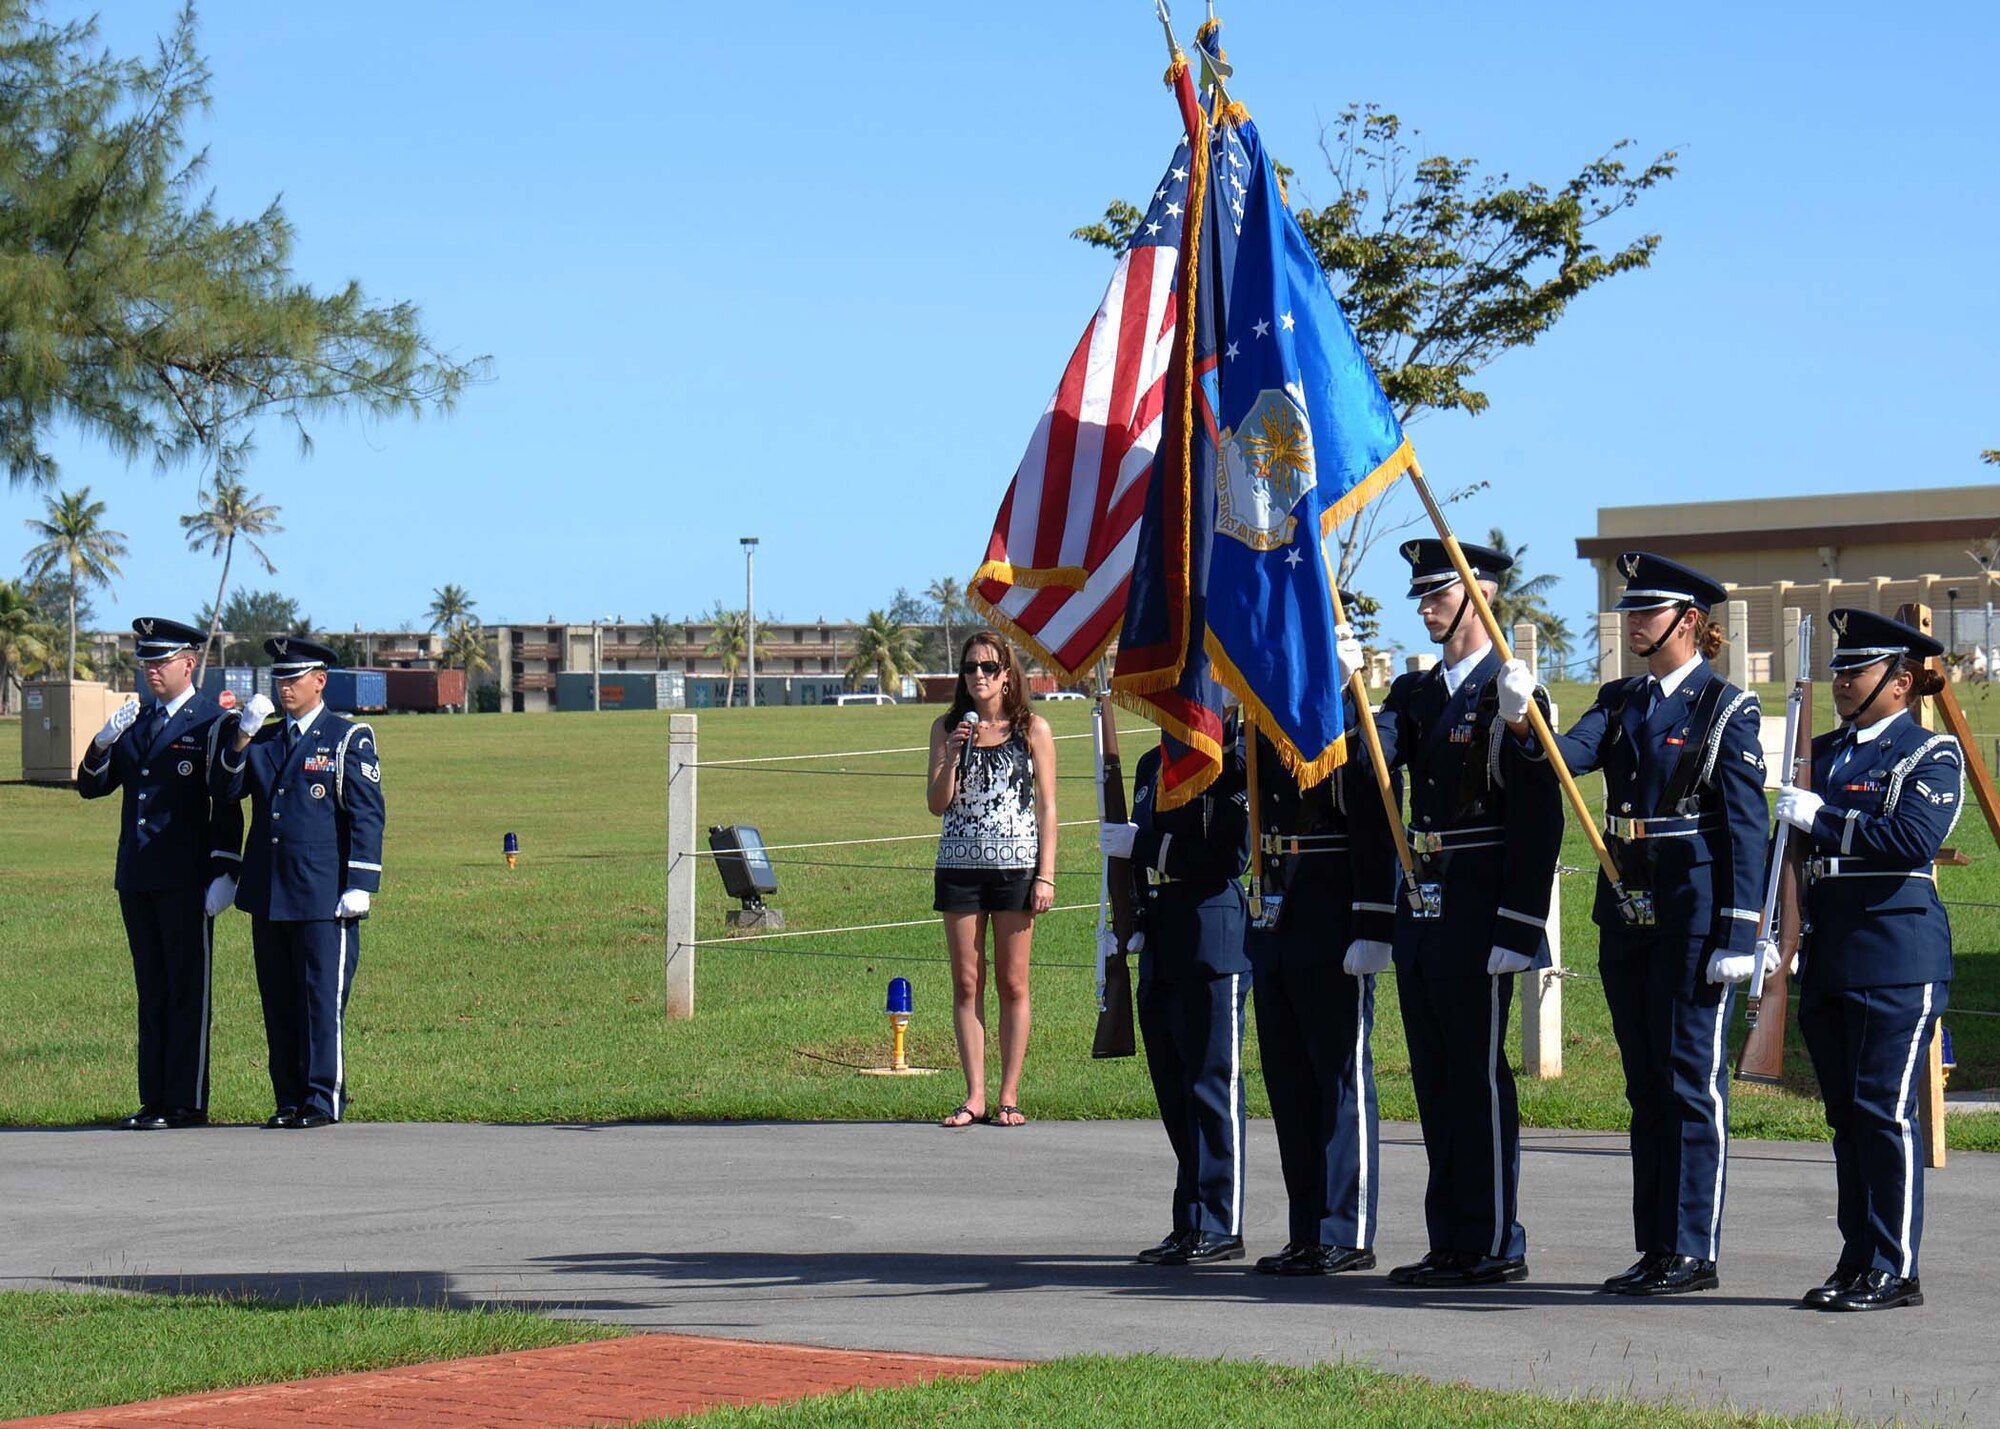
<point>859,700</point>
<point>1063,695</point>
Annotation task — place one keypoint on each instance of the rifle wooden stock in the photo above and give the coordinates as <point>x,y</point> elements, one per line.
<point>1763,1056</point>
<point>1114,1036</point>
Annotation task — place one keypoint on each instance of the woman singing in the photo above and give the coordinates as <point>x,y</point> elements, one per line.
<point>992,777</point>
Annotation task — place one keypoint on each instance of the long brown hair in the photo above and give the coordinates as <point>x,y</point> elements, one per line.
<point>1013,701</point>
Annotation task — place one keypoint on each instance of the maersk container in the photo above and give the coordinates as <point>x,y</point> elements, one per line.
<point>239,680</point>
<point>623,690</point>
<point>356,691</point>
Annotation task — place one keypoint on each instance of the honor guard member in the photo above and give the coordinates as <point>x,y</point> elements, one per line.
<point>313,858</point>
<point>1193,979</point>
<point>1687,824</point>
<point>1486,829</point>
<point>177,854</point>
<point>1877,965</point>
<point>1318,891</point>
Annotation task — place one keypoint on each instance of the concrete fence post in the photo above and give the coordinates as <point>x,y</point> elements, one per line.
<point>1541,988</point>
<point>1736,625</point>
<point>682,851</point>
<point>1610,646</point>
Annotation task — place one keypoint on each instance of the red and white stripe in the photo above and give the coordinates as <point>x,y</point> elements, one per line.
<point>1060,557</point>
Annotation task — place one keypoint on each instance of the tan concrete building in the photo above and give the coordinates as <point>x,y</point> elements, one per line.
<point>1876,550</point>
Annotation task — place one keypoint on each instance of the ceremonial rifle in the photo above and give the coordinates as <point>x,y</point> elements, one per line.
<point>1114,1036</point>
<point>1763,1055</point>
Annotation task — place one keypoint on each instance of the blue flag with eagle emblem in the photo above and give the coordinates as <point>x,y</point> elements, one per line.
<point>1277,431</point>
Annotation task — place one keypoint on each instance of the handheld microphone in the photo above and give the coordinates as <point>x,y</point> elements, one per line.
<point>969,722</point>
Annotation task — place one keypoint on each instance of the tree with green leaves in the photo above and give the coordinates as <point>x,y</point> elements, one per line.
<point>1442,269</point>
<point>952,609</point>
<point>25,639</point>
<point>1991,456</point>
<point>130,308</point>
<point>450,604</point>
<point>465,649</point>
<point>729,645</point>
<point>250,618</point>
<point>1523,599</point>
<point>662,637</point>
<point>229,510</point>
<point>885,647</point>
<point>74,544</point>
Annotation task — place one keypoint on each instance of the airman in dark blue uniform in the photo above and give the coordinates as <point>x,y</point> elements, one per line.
<point>313,859</point>
<point>1319,889</point>
<point>1687,823</point>
<point>177,850</point>
<point>1193,981</point>
<point>1877,963</point>
<point>1486,829</point>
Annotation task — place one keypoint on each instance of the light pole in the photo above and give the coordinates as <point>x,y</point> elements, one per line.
<point>596,668</point>
<point>749,545</point>
<point>1951,623</point>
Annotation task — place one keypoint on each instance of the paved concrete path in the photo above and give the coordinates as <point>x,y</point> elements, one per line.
<point>609,1382</point>
<point>1007,1243</point>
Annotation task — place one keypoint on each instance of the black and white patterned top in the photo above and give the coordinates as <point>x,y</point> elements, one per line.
<point>991,820</point>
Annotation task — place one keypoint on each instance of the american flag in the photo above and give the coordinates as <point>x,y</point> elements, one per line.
<point>1060,557</point>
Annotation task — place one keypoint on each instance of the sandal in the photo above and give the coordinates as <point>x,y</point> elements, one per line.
<point>1002,1114</point>
<point>962,1110</point>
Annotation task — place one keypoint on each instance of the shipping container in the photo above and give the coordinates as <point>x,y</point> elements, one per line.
<point>424,690</point>
<point>238,682</point>
<point>623,690</point>
<point>356,691</point>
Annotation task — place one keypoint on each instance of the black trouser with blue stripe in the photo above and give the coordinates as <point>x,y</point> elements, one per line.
<point>171,940</point>
<point>1672,1027</point>
<point>1193,1026</point>
<point>304,974</point>
<point>1868,1047</point>
<point>1457,1031</point>
<point>1314,1024</point>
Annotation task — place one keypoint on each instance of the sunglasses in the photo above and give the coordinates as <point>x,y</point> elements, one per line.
<point>988,668</point>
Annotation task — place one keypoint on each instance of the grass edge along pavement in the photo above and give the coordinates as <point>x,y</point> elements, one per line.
<point>536,996</point>
<point>62,1350</point>
<point>106,1349</point>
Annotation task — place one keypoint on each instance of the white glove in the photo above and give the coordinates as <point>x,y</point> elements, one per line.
<point>1115,840</point>
<point>1768,950</point>
<point>1136,943</point>
<point>254,714</point>
<point>1347,650</point>
<point>1731,967</point>
<point>1517,688</point>
<point>121,720</point>
<point>1500,962</point>
<point>1365,956</point>
<point>353,904</point>
<point>1797,808</point>
<point>221,893</point>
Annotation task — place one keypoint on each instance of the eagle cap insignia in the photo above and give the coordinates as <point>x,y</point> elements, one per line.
<point>1839,624</point>
<point>146,627</point>
<point>1629,563</point>
<point>283,646</point>
<point>1410,549</point>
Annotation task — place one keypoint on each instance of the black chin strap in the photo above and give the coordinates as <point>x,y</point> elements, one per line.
<point>1681,608</point>
<point>1464,604</point>
<point>1891,667</point>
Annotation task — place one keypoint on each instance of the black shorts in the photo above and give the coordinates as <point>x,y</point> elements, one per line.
<point>984,890</point>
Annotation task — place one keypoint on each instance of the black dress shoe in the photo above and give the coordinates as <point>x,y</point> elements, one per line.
<point>1878,1290</point>
<point>310,1118</point>
<point>1433,1263</point>
<point>1835,1283</point>
<point>1152,1254</point>
<point>1644,1266</point>
<point>146,1118</point>
<point>187,1116</point>
<point>283,1119</point>
<point>1328,1260</point>
<point>1205,1249</point>
<point>1446,1269</point>
<point>1270,1264</point>
<point>1677,1275</point>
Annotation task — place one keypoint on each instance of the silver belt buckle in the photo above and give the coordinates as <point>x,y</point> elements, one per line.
<point>1271,905</point>
<point>1432,895</point>
<point>1642,906</point>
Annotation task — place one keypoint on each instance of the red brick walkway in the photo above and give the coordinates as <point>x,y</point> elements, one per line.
<point>605,1382</point>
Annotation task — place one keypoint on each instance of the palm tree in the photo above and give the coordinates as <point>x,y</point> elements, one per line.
<point>24,637</point>
<point>75,544</point>
<point>884,646</point>
<point>727,645</point>
<point>465,647</point>
<point>662,635</point>
<point>950,598</point>
<point>228,510</point>
<point>450,606</point>
<point>1520,597</point>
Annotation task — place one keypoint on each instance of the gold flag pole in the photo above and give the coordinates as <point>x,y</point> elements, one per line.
<point>1627,909</point>
<point>1365,712</point>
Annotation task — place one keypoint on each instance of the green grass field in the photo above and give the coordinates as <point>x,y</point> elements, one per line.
<point>537,994</point>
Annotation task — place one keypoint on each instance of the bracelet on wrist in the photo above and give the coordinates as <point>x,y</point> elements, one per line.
<point>1045,878</point>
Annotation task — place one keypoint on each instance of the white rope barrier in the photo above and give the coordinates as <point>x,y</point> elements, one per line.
<point>842,843</point>
<point>930,922</point>
<point>867,753</point>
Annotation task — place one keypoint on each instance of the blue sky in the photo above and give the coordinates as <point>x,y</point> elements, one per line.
<point>802,272</point>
